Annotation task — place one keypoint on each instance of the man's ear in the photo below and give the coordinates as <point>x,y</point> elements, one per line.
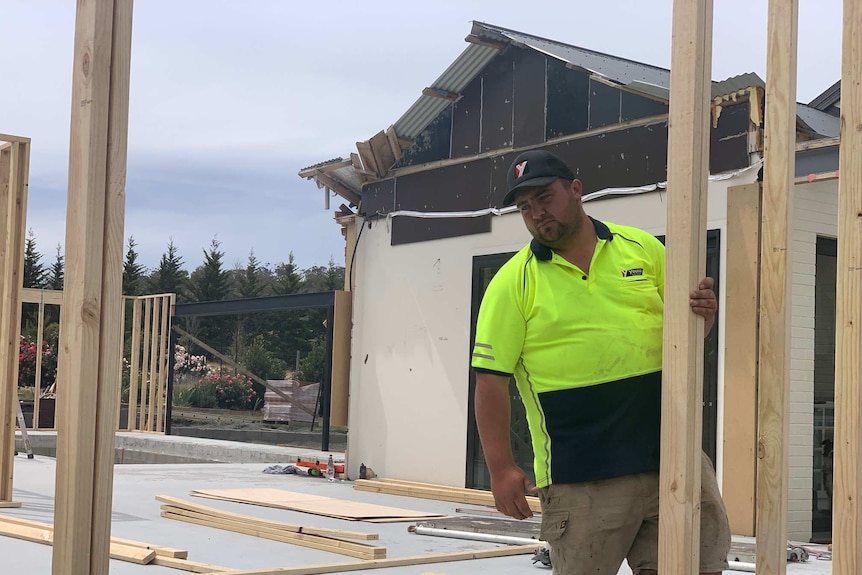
<point>577,189</point>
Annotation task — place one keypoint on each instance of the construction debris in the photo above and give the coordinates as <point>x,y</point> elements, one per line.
<point>315,504</point>
<point>331,540</point>
<point>437,492</point>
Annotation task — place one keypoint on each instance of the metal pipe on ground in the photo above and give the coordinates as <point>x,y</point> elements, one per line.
<point>471,535</point>
<point>509,540</point>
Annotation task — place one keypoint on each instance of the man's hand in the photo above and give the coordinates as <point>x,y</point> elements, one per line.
<point>510,487</point>
<point>704,303</point>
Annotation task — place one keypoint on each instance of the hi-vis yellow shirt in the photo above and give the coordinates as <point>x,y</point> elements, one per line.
<point>585,350</point>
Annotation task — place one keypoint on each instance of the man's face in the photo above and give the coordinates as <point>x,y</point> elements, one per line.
<point>552,212</point>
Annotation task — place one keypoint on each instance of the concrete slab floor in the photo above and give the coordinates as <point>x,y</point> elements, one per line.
<point>136,516</point>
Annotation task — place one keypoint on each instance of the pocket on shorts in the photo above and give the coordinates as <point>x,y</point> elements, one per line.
<point>554,524</point>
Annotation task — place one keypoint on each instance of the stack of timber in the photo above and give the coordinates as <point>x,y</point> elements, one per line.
<point>121,549</point>
<point>322,539</point>
<point>438,492</point>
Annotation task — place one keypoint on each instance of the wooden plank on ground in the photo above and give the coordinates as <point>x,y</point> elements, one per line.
<point>740,356</point>
<point>775,288</point>
<point>847,515</point>
<point>159,550</point>
<point>436,492</point>
<point>429,559</point>
<point>45,536</point>
<point>682,376</point>
<point>88,359</point>
<point>190,566</point>
<point>314,504</point>
<point>349,548</point>
<point>322,531</point>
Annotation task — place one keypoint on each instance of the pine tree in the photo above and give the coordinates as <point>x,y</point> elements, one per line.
<point>170,277</point>
<point>133,272</point>
<point>34,270</point>
<point>288,280</point>
<point>251,282</point>
<point>56,272</point>
<point>210,281</point>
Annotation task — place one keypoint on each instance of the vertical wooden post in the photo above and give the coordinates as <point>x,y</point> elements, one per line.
<point>740,356</point>
<point>122,352</point>
<point>154,364</point>
<point>163,363</point>
<point>682,387</point>
<point>135,364</point>
<point>7,462</point>
<point>775,285</point>
<point>92,296</point>
<point>145,363</point>
<point>10,307</point>
<point>40,335</point>
<point>847,517</point>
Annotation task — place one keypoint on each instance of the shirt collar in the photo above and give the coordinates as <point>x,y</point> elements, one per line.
<point>544,253</point>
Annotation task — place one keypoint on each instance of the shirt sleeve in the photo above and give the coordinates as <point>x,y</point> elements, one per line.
<point>657,253</point>
<point>501,327</point>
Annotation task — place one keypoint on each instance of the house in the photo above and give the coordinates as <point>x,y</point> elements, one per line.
<point>425,233</point>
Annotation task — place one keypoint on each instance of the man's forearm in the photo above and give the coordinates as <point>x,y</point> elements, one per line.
<point>493,408</point>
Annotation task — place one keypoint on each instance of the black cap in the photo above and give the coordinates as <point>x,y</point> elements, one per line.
<point>534,168</point>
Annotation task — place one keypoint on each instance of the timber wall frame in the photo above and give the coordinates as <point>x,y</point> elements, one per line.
<point>148,368</point>
<point>14,180</point>
<point>771,216</point>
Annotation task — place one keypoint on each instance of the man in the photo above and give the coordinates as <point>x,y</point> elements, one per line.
<point>576,317</point>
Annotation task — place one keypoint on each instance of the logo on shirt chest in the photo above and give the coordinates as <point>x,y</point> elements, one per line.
<point>633,272</point>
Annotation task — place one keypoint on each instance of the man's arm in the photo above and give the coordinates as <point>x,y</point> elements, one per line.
<point>509,483</point>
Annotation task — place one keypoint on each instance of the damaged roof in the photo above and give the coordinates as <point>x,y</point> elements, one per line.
<point>486,41</point>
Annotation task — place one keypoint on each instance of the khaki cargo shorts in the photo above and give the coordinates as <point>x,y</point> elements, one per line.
<point>592,526</point>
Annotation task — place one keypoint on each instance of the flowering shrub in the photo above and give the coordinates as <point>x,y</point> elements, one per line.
<point>225,391</point>
<point>27,363</point>
<point>184,362</point>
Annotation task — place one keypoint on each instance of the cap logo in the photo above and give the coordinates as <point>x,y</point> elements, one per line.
<point>519,169</point>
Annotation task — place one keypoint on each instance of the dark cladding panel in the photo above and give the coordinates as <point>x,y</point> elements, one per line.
<point>568,100</point>
<point>816,161</point>
<point>728,142</point>
<point>499,169</point>
<point>432,144</point>
<point>497,82</point>
<point>378,198</point>
<point>462,187</point>
<point>529,98</point>
<point>466,118</point>
<point>604,105</point>
<point>631,157</point>
<point>634,107</point>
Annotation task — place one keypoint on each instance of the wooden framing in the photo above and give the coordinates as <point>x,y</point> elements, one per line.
<point>149,359</point>
<point>847,516</point>
<point>775,289</point>
<point>740,356</point>
<point>14,179</point>
<point>88,362</point>
<point>343,318</point>
<point>435,492</point>
<point>432,558</point>
<point>682,391</point>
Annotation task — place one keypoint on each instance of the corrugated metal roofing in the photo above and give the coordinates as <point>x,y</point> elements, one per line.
<point>737,83</point>
<point>828,98</point>
<point>619,70</point>
<point>454,79</point>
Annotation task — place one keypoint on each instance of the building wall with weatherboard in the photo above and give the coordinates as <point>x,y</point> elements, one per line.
<point>411,336</point>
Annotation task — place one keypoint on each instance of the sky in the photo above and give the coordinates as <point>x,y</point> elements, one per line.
<point>230,99</point>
